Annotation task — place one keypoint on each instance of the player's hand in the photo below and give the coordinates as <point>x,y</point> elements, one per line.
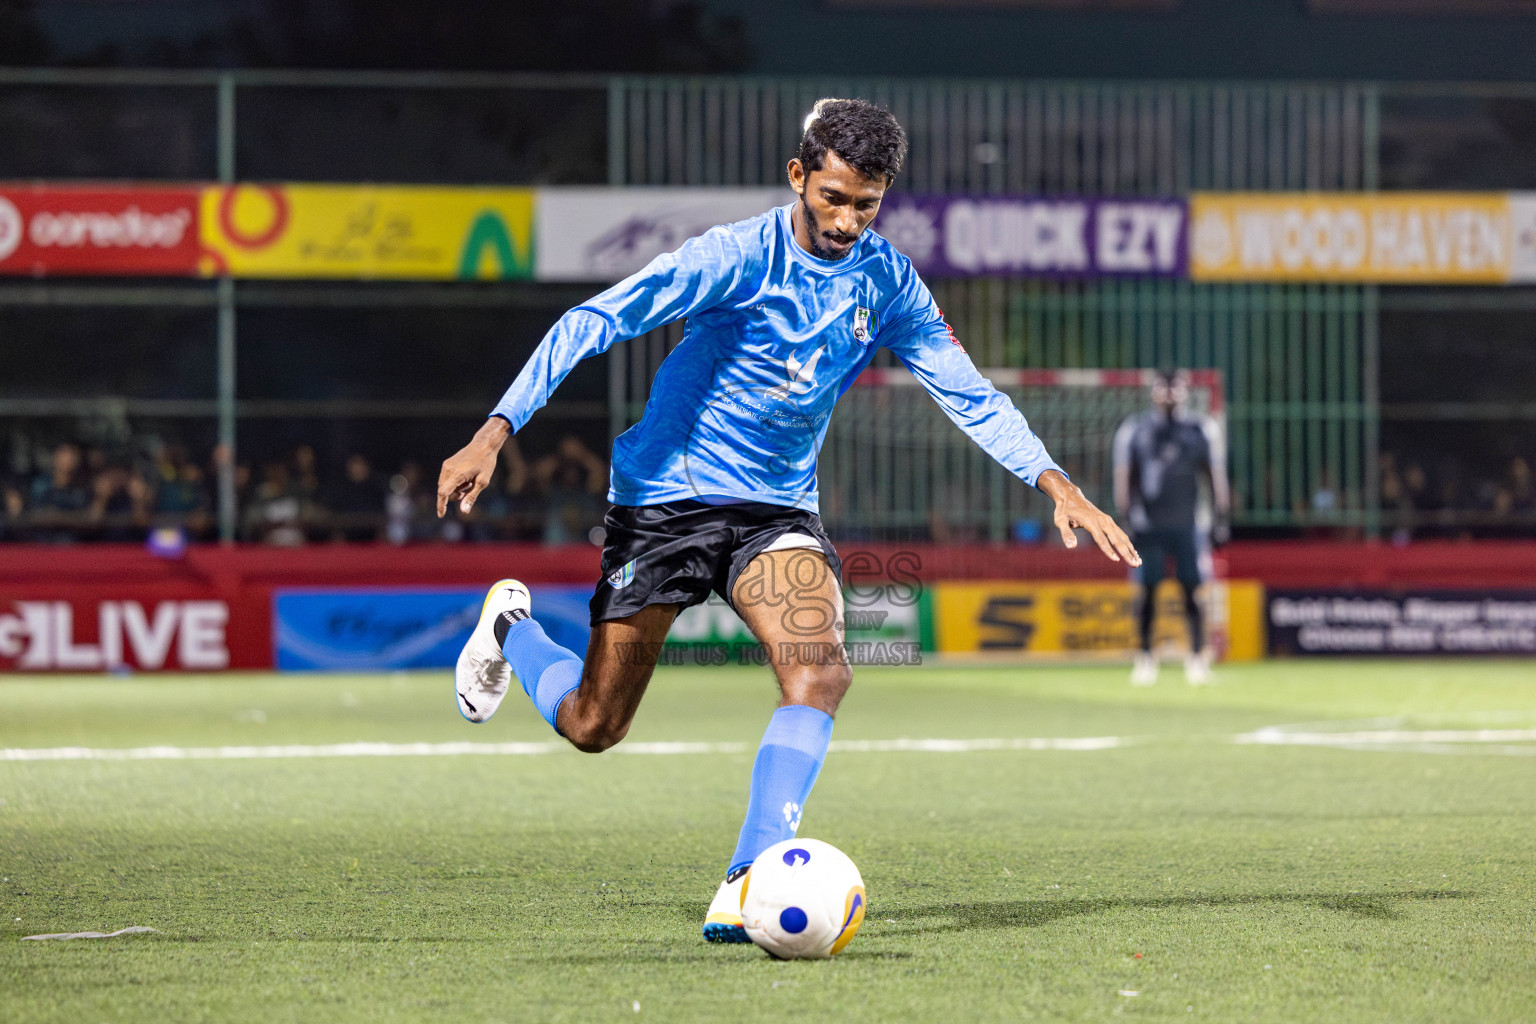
<point>468,471</point>
<point>1075,512</point>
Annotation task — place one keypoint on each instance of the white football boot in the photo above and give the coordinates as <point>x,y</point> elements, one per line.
<point>482,676</point>
<point>1197,669</point>
<point>723,922</point>
<point>1144,670</point>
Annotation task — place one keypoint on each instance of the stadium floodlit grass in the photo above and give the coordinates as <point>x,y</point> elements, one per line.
<point>1180,875</point>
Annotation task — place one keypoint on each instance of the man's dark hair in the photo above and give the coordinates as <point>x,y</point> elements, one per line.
<point>867,137</point>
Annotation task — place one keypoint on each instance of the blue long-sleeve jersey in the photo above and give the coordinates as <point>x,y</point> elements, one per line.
<point>775,336</point>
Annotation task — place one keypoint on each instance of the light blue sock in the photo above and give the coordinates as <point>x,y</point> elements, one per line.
<point>788,761</point>
<point>548,672</point>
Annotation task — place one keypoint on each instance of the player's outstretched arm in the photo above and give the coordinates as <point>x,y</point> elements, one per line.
<point>1075,511</point>
<point>468,471</point>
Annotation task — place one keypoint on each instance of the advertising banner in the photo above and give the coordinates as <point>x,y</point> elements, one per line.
<point>1088,618</point>
<point>369,630</point>
<point>605,234</point>
<point>885,625</point>
<point>1522,218</point>
<point>1382,622</point>
<point>1017,236</point>
<point>367,231</point>
<point>48,230</point>
<point>1388,237</point>
<point>152,628</point>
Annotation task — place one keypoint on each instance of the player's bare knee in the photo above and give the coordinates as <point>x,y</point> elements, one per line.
<point>823,686</point>
<point>837,682</point>
<point>836,677</point>
<point>593,734</point>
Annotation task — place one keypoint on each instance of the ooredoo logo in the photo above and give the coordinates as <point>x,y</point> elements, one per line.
<point>10,227</point>
<point>128,227</point>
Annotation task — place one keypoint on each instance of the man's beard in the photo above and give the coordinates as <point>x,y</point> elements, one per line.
<point>813,232</point>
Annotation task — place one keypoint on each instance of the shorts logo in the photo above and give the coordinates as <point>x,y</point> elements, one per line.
<point>622,577</point>
<point>861,317</point>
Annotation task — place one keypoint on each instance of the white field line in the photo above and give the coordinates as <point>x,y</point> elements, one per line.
<point>1432,741</point>
<point>1280,736</point>
<point>968,746</point>
<point>137,929</point>
<point>166,753</point>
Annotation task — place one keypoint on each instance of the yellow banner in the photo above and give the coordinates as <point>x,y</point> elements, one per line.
<point>365,231</point>
<point>1093,619</point>
<point>1399,237</point>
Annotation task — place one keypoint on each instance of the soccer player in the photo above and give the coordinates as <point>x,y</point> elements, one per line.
<point>1161,458</point>
<point>715,488</point>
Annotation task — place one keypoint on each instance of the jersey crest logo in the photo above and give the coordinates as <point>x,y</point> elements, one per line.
<point>798,374</point>
<point>622,576</point>
<point>861,317</point>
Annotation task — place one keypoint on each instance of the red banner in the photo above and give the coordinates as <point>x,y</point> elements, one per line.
<point>129,230</point>
<point>150,628</point>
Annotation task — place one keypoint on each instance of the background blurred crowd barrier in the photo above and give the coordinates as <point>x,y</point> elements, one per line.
<point>1353,409</point>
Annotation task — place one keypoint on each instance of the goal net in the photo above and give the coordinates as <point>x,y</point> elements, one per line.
<point>894,468</point>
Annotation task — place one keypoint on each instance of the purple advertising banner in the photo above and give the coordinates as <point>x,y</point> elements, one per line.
<point>1029,236</point>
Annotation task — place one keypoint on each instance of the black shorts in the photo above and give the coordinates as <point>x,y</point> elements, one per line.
<point>679,551</point>
<point>1187,548</point>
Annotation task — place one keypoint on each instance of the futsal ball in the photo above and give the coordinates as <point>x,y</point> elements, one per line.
<point>802,899</point>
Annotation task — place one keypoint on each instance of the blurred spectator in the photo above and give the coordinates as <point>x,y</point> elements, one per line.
<point>1522,487</point>
<point>119,502</point>
<point>356,502</point>
<point>400,505</point>
<point>573,480</point>
<point>59,497</point>
<point>62,488</point>
<point>523,509</point>
<point>12,506</point>
<point>275,515</point>
<point>1395,503</point>
<point>1325,500</point>
<point>306,478</point>
<point>510,509</point>
<point>1416,487</point>
<point>181,495</point>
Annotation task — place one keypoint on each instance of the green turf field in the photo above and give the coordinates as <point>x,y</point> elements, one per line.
<point>1178,875</point>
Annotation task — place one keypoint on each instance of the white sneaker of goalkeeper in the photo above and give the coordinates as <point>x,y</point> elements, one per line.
<point>1197,669</point>
<point>1144,670</point>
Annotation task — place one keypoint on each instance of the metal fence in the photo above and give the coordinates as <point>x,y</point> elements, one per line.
<point>1302,362</point>
<point>1297,358</point>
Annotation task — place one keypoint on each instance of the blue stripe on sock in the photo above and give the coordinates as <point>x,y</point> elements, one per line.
<point>788,761</point>
<point>548,672</point>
